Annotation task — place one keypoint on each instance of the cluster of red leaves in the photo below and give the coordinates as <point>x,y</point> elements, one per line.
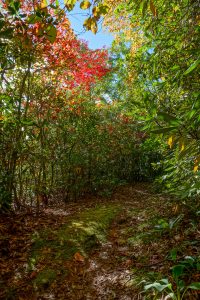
<point>72,63</point>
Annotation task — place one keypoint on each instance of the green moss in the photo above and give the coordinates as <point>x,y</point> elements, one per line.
<point>143,226</point>
<point>44,278</point>
<point>141,238</point>
<point>135,240</point>
<point>82,233</point>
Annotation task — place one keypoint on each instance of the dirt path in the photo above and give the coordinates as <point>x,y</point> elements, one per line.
<point>108,269</point>
<point>109,272</point>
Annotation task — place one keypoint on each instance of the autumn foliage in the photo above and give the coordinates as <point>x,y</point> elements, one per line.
<point>61,140</point>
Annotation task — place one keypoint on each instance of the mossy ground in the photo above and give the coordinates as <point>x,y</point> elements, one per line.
<point>82,233</point>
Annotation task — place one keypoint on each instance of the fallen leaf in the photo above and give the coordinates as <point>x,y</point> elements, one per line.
<point>33,275</point>
<point>78,257</point>
<point>128,263</point>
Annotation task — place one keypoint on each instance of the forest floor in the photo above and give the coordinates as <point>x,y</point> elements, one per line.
<point>96,248</point>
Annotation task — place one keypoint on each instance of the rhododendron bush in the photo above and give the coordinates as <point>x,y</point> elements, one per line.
<point>43,69</point>
<point>59,138</point>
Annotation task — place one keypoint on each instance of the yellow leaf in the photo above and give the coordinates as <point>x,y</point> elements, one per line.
<point>69,4</point>
<point>196,164</point>
<point>91,24</point>
<point>181,145</point>
<point>44,3</point>
<point>170,141</point>
<point>94,26</point>
<point>85,4</point>
<point>96,12</point>
<point>87,23</point>
<point>176,209</point>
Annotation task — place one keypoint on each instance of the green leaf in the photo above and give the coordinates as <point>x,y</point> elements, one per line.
<point>144,5</point>
<point>181,285</point>
<point>57,3</point>
<point>189,259</point>
<point>168,118</point>
<point>178,270</point>
<point>7,34</point>
<point>32,19</point>
<point>194,286</point>
<point>156,285</point>
<point>163,130</point>
<point>14,7</point>
<point>164,280</point>
<point>173,254</point>
<point>51,33</point>
<point>172,296</point>
<point>192,67</point>
<point>191,113</point>
<point>27,122</point>
<point>187,151</point>
<point>173,222</point>
<point>103,9</point>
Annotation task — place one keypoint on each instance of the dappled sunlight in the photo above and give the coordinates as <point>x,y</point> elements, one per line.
<point>56,212</point>
<point>104,282</point>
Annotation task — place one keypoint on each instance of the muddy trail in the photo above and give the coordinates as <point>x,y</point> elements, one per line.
<point>96,248</point>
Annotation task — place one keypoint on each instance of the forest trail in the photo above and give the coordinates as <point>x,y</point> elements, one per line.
<point>94,249</point>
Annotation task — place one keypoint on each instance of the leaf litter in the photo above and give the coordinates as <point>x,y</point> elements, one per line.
<point>107,261</point>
